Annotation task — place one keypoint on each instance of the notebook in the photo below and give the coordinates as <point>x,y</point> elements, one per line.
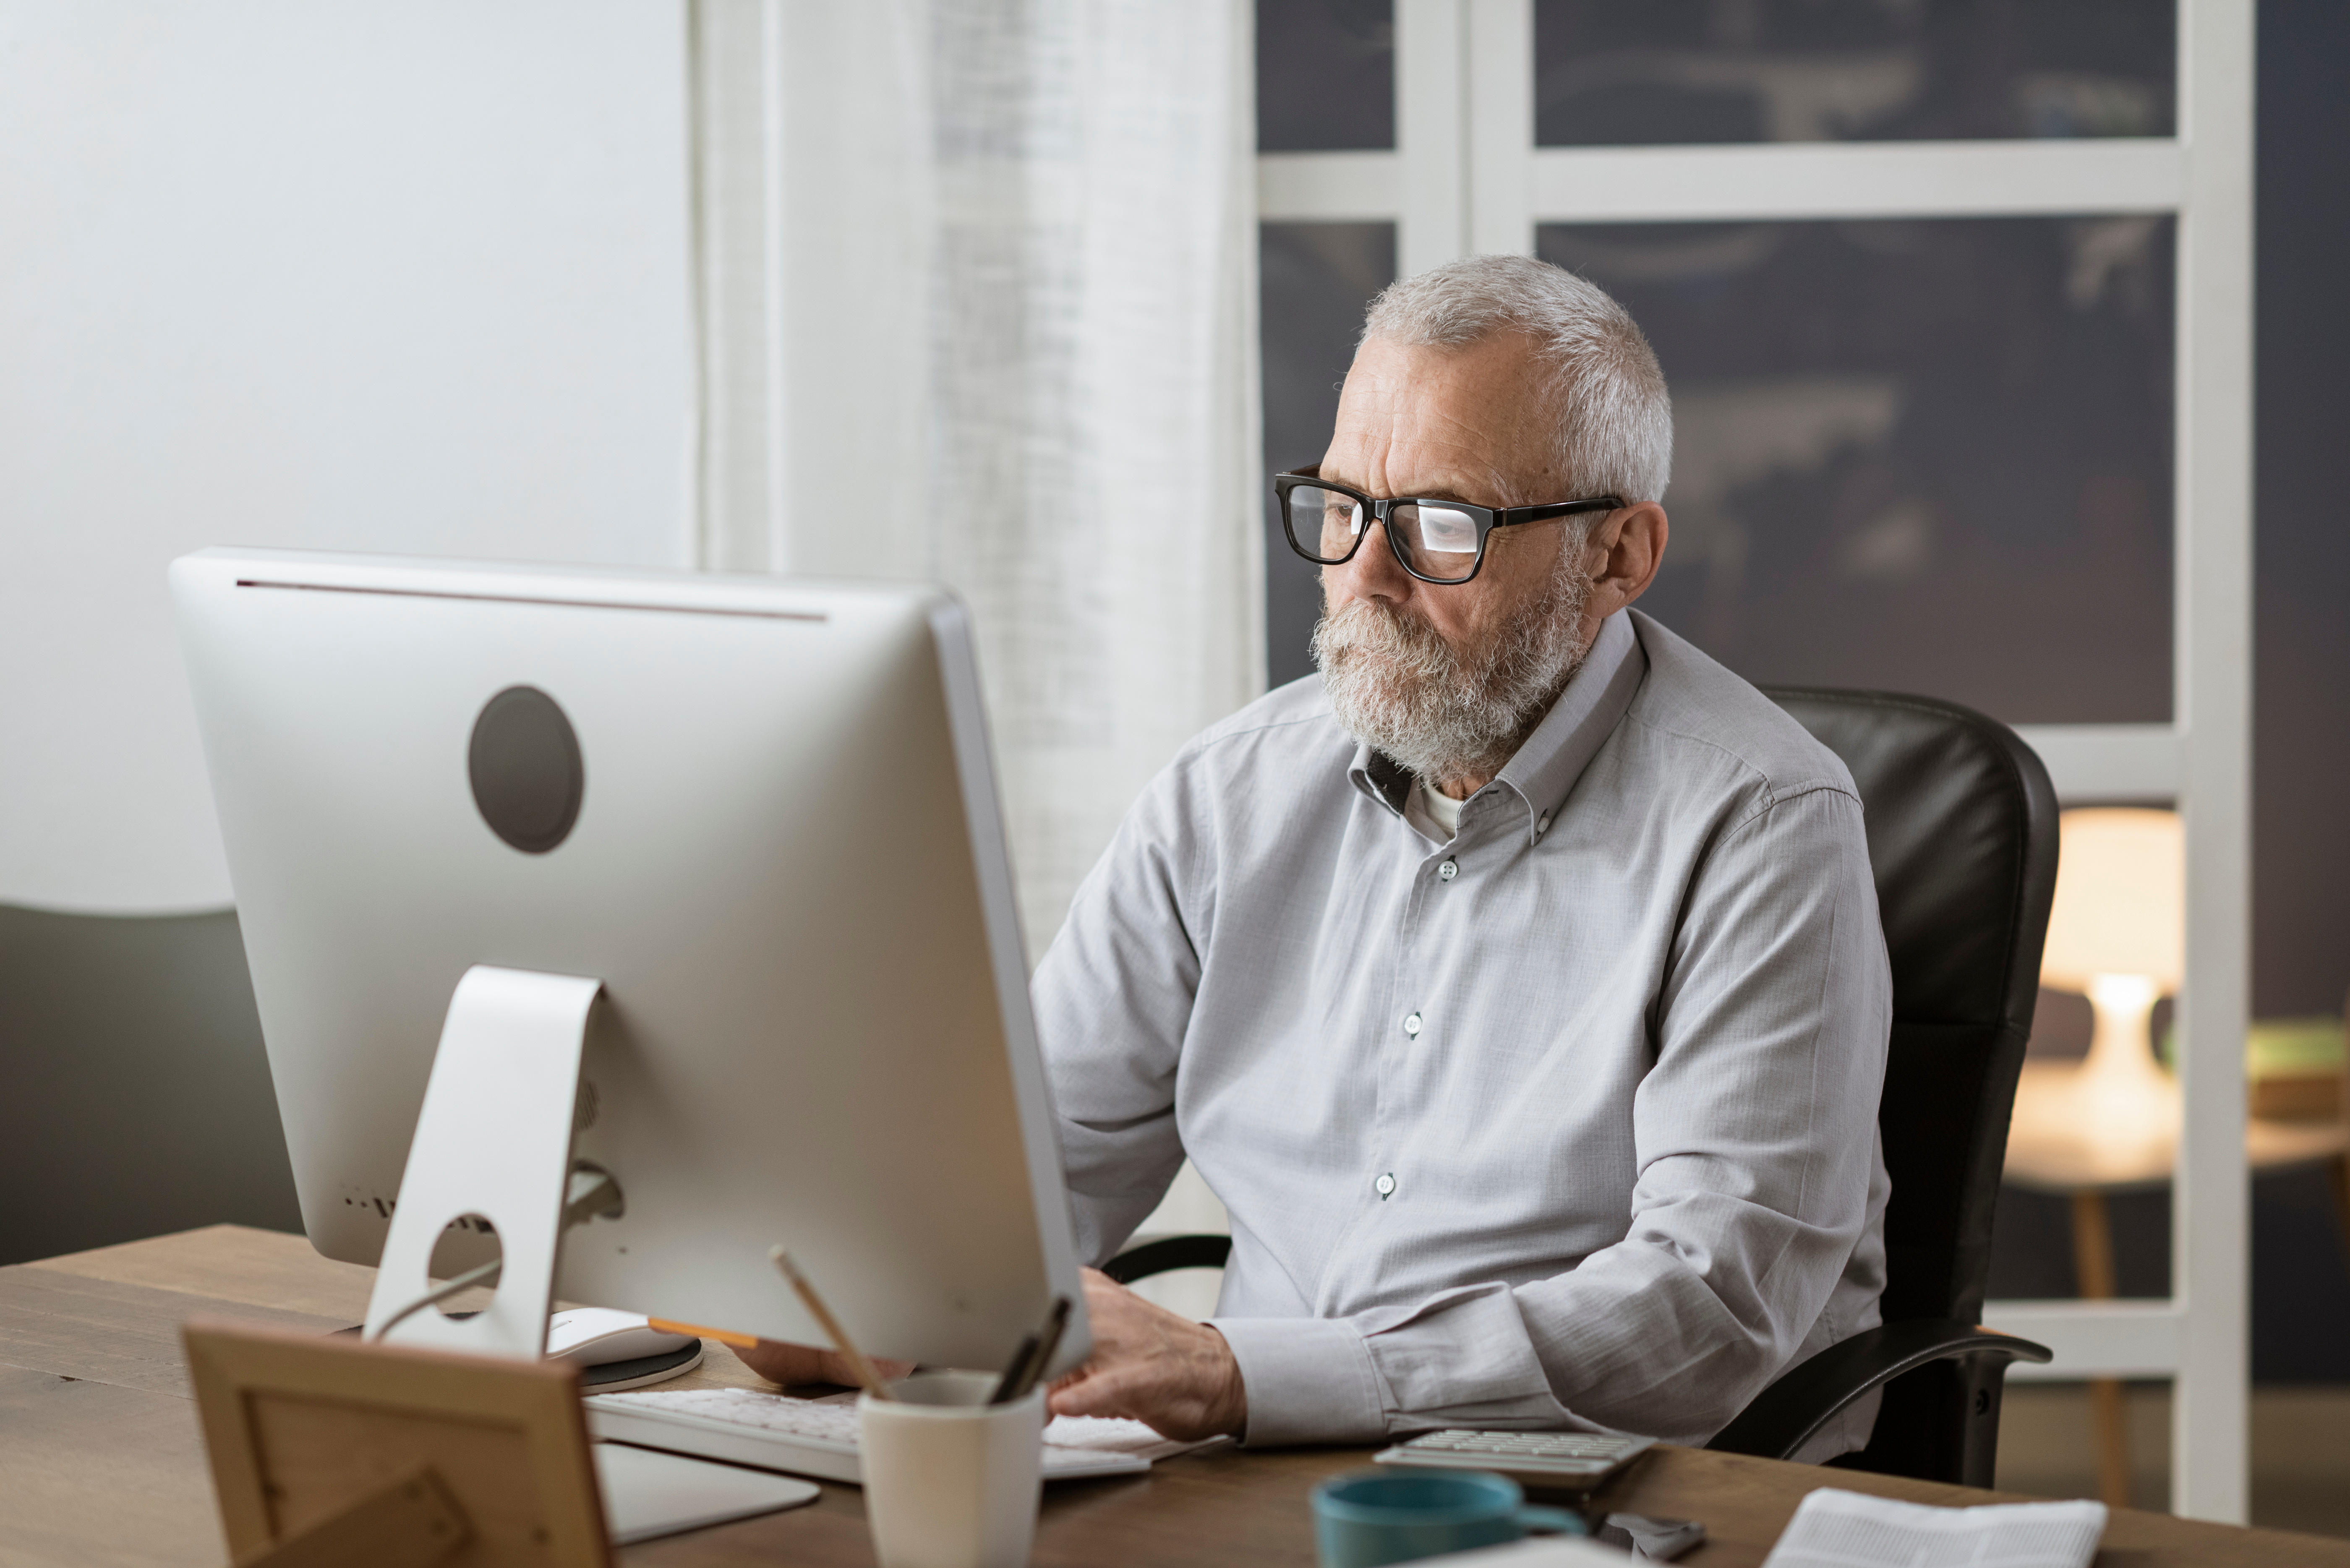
<point>818,1436</point>
<point>1837,1528</point>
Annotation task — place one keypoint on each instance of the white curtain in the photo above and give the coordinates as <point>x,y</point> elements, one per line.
<point>979,304</point>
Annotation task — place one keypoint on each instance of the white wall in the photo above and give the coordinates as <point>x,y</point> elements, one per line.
<point>410,277</point>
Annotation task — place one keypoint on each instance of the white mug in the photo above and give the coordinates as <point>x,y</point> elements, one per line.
<point>952,1482</point>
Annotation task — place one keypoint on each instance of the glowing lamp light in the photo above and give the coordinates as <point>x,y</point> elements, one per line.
<point>2118,935</point>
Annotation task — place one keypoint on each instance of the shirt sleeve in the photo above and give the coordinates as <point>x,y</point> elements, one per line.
<point>1113,998</point>
<point>1756,1139</point>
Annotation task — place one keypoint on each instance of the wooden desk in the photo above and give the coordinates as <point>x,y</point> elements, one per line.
<point>100,1463</point>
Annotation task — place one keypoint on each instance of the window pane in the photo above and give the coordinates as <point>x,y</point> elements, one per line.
<point>1608,73</point>
<point>1325,76</point>
<point>1316,281</point>
<point>1922,456</point>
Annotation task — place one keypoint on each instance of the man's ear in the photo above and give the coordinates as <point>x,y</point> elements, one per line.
<point>1631,546</point>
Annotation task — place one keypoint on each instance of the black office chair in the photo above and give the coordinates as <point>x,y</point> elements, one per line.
<point>137,1094</point>
<point>1962,827</point>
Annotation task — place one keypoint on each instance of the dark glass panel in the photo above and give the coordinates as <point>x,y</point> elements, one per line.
<point>1608,73</point>
<point>1315,281</point>
<point>1920,456</point>
<point>1325,76</point>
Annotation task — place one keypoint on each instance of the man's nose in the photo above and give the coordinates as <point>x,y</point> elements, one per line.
<point>1373,572</point>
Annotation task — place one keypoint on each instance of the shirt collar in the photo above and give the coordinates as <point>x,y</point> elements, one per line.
<point>1543,771</point>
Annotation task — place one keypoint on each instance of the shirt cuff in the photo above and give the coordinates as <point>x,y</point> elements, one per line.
<point>1308,1380</point>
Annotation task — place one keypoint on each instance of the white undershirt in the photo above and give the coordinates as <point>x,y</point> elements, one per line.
<point>1436,814</point>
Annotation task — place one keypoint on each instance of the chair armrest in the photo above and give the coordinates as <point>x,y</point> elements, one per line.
<point>1802,1399</point>
<point>1162,1253</point>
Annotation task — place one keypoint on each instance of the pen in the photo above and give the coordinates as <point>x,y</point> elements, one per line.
<point>1048,1340</point>
<point>1013,1370</point>
<point>823,1314</point>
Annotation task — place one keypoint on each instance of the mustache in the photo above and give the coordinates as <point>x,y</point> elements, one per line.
<point>1406,643</point>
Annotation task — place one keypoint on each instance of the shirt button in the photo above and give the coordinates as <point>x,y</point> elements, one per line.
<point>1386,1184</point>
<point>1449,870</point>
<point>1541,825</point>
<point>1411,1025</point>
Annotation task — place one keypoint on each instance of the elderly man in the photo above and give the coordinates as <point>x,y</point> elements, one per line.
<point>1516,982</point>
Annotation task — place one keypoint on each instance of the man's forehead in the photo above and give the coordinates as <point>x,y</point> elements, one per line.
<point>1468,421</point>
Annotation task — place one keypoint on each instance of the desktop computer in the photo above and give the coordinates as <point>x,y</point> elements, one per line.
<point>621,926</point>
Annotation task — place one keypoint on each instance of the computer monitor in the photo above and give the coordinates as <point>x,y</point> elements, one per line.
<point>760,811</point>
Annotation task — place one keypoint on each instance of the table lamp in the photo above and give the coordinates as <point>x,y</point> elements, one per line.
<point>2118,934</point>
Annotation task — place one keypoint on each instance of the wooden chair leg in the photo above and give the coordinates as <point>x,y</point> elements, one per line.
<point>2093,1263</point>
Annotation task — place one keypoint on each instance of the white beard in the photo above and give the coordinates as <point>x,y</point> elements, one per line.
<point>1399,687</point>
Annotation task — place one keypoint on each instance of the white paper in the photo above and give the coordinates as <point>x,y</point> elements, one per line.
<point>649,1494</point>
<point>1836,1529</point>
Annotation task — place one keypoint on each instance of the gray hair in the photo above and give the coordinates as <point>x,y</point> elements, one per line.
<point>1614,416</point>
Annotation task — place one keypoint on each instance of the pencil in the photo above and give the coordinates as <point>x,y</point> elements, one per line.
<point>823,1314</point>
<point>702,1331</point>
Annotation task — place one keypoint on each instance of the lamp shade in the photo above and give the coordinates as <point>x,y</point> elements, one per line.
<point>2121,899</point>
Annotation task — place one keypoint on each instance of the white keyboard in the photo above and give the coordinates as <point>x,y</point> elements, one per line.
<point>818,1436</point>
<point>1579,1459</point>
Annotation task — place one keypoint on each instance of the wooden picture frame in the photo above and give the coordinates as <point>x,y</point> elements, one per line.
<point>379,1456</point>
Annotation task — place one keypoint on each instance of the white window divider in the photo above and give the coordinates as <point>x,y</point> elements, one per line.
<point>1431,148</point>
<point>2102,1339</point>
<point>1501,127</point>
<point>2109,764</point>
<point>1329,187</point>
<point>2210,1196</point>
<point>1856,179</point>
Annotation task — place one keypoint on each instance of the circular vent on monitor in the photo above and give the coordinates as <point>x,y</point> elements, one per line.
<point>525,769</point>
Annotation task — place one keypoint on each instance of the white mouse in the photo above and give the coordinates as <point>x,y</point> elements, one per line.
<point>591,1336</point>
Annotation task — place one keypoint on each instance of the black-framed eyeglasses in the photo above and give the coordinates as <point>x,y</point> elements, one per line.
<point>1437,540</point>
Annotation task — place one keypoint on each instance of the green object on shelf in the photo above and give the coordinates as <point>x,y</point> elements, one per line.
<point>2279,1047</point>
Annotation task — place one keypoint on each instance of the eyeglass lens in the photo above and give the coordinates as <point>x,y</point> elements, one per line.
<point>1440,541</point>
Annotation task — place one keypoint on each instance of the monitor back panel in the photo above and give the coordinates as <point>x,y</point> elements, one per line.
<point>786,866</point>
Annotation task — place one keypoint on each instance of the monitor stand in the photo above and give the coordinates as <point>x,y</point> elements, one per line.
<point>494,1141</point>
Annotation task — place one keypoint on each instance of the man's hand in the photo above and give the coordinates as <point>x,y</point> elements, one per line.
<point>1150,1366</point>
<point>779,1362</point>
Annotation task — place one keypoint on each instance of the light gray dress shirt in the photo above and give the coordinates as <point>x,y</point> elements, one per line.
<point>1570,1122</point>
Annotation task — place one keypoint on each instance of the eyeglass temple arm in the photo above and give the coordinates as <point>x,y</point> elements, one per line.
<point>1509,516</point>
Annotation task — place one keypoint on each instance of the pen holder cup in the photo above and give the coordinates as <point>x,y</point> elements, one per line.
<point>951,1480</point>
<point>1365,1518</point>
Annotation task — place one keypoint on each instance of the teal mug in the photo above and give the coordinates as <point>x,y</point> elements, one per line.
<point>1364,1518</point>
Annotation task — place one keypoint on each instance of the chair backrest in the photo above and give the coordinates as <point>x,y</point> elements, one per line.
<point>1961,826</point>
<point>1962,823</point>
<point>139,1098</point>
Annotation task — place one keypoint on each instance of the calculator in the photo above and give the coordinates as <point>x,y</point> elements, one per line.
<point>1577,1461</point>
